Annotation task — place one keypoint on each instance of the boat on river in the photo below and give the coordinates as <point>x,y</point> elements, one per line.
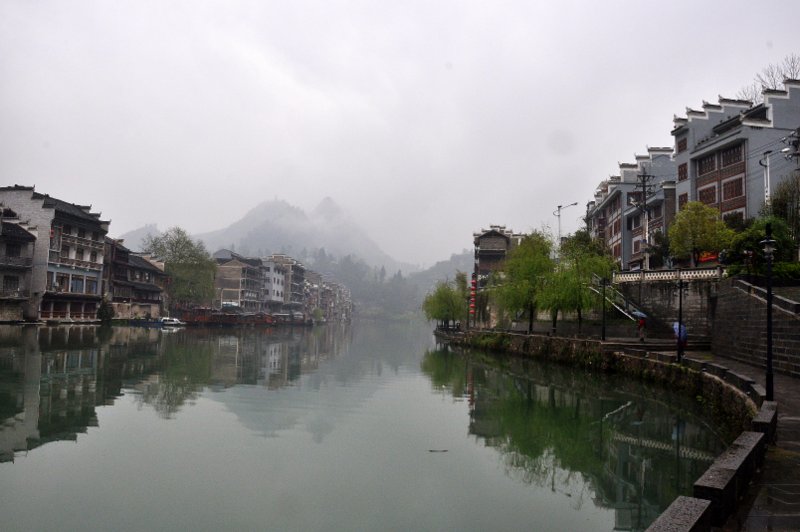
<point>205,316</point>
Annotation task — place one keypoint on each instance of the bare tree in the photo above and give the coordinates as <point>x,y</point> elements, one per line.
<point>771,77</point>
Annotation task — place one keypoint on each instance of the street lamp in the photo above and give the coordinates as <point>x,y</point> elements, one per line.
<point>603,329</point>
<point>769,250</point>
<point>680,332</point>
<point>557,213</point>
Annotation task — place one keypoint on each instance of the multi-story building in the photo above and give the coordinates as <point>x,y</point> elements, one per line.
<point>650,207</point>
<point>68,268</point>
<point>17,241</point>
<point>630,208</point>
<point>728,154</point>
<point>294,294</point>
<point>606,219</point>
<point>274,275</point>
<point>313,292</point>
<point>238,282</point>
<point>491,248</point>
<point>133,284</point>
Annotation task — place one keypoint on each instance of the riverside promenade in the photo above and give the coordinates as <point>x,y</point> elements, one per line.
<point>773,500</point>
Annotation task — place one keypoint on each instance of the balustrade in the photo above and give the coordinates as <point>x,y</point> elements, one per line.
<point>668,275</point>
<point>22,262</point>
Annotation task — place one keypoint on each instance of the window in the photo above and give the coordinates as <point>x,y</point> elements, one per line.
<point>657,211</point>
<point>79,254</point>
<point>91,286</point>
<point>734,219</point>
<point>637,246</point>
<point>683,199</point>
<point>95,236</point>
<point>706,165</point>
<point>64,252</point>
<point>93,256</point>
<point>708,195</point>
<point>82,232</point>
<point>76,285</point>
<point>67,230</point>
<point>682,144</point>
<point>732,189</point>
<point>683,172</point>
<point>731,155</point>
<point>10,282</point>
<point>13,250</point>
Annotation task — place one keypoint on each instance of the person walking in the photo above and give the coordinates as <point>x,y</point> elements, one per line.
<point>641,326</point>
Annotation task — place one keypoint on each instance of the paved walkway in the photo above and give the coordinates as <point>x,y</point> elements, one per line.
<point>773,501</point>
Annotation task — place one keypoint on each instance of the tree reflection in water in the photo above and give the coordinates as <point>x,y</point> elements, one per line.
<point>622,444</point>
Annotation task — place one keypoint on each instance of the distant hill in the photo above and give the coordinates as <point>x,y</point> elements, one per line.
<point>329,242</point>
<point>278,227</point>
<point>133,240</point>
<point>443,270</point>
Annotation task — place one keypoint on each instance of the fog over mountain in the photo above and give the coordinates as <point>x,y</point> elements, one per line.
<point>277,227</point>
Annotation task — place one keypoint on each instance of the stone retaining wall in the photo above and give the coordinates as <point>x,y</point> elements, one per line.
<point>734,400</point>
<point>739,327</point>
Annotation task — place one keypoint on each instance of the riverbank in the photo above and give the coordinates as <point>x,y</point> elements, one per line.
<point>731,398</point>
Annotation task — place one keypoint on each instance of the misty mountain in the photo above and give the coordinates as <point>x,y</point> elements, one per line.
<point>444,270</point>
<point>134,240</point>
<point>278,227</point>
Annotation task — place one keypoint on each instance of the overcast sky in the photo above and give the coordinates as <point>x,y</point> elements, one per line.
<point>425,120</point>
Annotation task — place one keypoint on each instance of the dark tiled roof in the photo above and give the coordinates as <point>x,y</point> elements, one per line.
<point>15,232</point>
<point>135,261</point>
<point>70,209</point>
<point>145,287</point>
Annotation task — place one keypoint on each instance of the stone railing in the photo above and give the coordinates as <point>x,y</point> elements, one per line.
<point>668,275</point>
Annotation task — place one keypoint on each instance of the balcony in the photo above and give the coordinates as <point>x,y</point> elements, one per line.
<point>16,262</point>
<point>79,263</point>
<point>17,293</point>
<point>88,243</point>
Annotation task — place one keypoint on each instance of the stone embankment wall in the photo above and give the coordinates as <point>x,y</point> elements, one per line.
<point>10,312</point>
<point>735,401</point>
<point>739,328</point>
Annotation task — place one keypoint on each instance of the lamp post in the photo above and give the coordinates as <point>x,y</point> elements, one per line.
<point>769,250</point>
<point>679,333</point>
<point>557,213</point>
<point>603,330</point>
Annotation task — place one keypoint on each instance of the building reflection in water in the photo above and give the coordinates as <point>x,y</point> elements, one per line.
<point>636,448</point>
<point>52,379</point>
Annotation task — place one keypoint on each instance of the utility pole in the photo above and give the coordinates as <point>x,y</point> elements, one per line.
<point>644,180</point>
<point>765,164</point>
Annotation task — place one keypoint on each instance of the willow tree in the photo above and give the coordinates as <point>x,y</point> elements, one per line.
<point>526,269</point>
<point>446,303</point>
<point>698,228</point>
<point>187,263</point>
<point>567,288</point>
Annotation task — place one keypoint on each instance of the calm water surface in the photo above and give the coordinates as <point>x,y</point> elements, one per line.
<point>366,427</point>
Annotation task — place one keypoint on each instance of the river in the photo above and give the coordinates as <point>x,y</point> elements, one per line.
<point>360,427</point>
